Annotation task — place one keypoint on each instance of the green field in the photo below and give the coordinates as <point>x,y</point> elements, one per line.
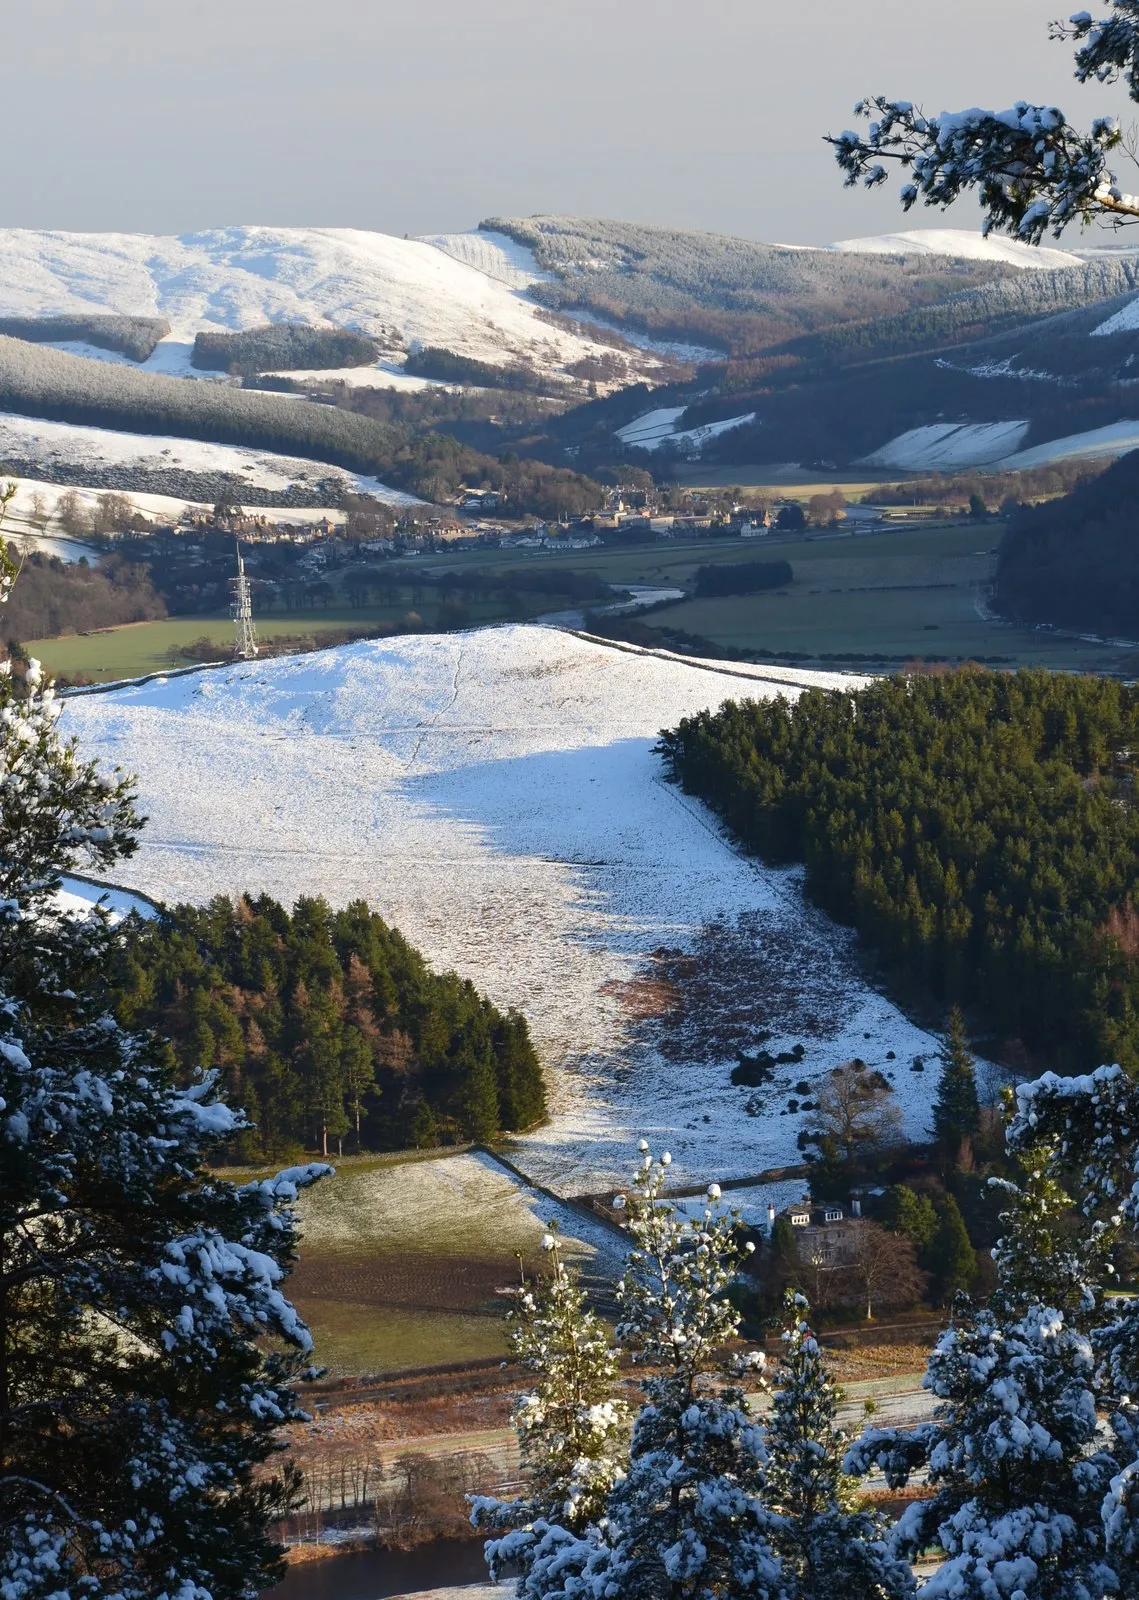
<point>910,591</point>
<point>407,1261</point>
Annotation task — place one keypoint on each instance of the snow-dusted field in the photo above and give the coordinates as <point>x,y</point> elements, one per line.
<point>164,507</point>
<point>1112,440</point>
<point>947,445</point>
<point>964,243</point>
<point>467,296</point>
<point>655,428</point>
<point>34,439</point>
<point>462,1205</point>
<point>496,796</point>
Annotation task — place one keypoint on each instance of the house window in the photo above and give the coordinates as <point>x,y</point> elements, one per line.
<point>832,1214</point>
<point>799,1219</point>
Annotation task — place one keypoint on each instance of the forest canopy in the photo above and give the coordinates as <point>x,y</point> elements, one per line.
<point>326,1025</point>
<point>1075,561</point>
<point>979,829</point>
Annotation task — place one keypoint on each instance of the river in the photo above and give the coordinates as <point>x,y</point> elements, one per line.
<point>379,1574</point>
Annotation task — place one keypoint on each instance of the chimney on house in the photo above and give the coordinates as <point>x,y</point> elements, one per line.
<point>770,1219</point>
<point>856,1208</point>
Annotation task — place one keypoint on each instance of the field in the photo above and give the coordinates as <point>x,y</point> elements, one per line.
<point>495,795</point>
<point>903,592</point>
<point>408,1264</point>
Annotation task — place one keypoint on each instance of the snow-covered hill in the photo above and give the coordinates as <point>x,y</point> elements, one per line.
<point>653,429</point>
<point>962,243</point>
<point>496,796</point>
<point>462,291</point>
<point>39,442</point>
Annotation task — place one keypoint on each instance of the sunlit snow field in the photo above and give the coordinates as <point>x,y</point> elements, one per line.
<point>496,796</point>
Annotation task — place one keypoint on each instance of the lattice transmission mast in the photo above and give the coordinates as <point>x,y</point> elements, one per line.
<point>241,610</point>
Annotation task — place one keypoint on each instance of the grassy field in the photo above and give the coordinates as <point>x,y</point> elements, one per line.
<point>407,1263</point>
<point>910,591</point>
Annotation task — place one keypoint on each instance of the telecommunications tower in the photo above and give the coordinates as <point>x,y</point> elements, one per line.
<point>241,610</point>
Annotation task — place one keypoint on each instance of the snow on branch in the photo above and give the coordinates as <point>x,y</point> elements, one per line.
<point>1033,170</point>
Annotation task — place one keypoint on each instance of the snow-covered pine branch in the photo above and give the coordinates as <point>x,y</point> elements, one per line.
<point>1091,1127</point>
<point>147,1349</point>
<point>1033,170</point>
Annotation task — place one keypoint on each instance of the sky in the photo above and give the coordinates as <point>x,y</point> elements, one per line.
<point>417,116</point>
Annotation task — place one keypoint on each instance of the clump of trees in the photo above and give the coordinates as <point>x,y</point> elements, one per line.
<point>978,828</point>
<point>328,1026</point>
<point>742,577</point>
<point>133,337</point>
<point>148,1355</point>
<point>448,366</point>
<point>284,347</point>
<point>39,382</point>
<point>731,294</point>
<point>54,596</point>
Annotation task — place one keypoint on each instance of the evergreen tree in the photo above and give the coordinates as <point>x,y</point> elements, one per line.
<point>829,1550</point>
<point>949,1257</point>
<point>956,1111</point>
<point>906,1211</point>
<point>146,1349</point>
<point>1091,1126</point>
<point>1014,1455</point>
<point>571,1430</point>
<point>688,1521</point>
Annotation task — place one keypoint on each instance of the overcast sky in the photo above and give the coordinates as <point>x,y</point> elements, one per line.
<point>426,115</point>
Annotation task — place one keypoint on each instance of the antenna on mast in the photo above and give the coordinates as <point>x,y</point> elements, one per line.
<point>241,610</point>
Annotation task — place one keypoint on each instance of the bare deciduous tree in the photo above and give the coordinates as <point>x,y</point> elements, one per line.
<point>857,1112</point>
<point>885,1268</point>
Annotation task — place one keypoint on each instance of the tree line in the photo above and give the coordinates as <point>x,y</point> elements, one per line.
<point>978,829</point>
<point>54,596</point>
<point>327,1026</point>
<point>39,382</point>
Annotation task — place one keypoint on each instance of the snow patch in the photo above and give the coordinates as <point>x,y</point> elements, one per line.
<point>1113,440</point>
<point>397,290</point>
<point>947,445</point>
<point>35,439</point>
<point>657,428</point>
<point>963,244</point>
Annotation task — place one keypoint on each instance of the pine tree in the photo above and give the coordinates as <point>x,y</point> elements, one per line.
<point>829,1550</point>
<point>140,1297</point>
<point>956,1111</point>
<point>1014,1455</point>
<point>688,1521</point>
<point>571,1430</point>
<point>949,1256</point>
<point>1091,1125</point>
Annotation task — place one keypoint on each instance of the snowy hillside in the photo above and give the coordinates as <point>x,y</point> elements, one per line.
<point>496,796</point>
<point>466,296</point>
<point>36,441</point>
<point>962,243</point>
<point>656,428</point>
<point>948,446</point>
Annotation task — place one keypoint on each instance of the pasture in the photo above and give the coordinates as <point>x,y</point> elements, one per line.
<point>409,1262</point>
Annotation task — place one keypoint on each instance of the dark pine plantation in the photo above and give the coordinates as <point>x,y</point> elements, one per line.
<point>327,1026</point>
<point>979,829</point>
